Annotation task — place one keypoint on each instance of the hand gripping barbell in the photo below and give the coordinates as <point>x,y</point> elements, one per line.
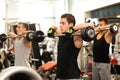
<point>28,36</point>
<point>87,34</point>
<point>113,28</point>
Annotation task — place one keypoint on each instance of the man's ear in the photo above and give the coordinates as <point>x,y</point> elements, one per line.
<point>25,29</point>
<point>71,24</point>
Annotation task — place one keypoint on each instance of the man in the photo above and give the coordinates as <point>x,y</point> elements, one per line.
<point>21,45</point>
<point>68,48</point>
<point>103,38</point>
<point>21,48</point>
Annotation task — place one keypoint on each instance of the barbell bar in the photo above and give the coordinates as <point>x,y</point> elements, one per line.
<point>86,34</point>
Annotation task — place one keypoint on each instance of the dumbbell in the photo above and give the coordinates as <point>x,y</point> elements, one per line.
<point>28,36</point>
<point>87,34</point>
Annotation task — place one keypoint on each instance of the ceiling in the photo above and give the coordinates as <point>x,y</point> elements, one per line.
<point>26,1</point>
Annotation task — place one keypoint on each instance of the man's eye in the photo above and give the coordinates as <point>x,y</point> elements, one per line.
<point>63,23</point>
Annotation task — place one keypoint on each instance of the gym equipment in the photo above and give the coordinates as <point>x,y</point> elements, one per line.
<point>46,56</point>
<point>45,70</point>
<point>10,55</point>
<point>115,68</point>
<point>86,33</point>
<point>35,54</point>
<point>28,36</point>
<point>113,28</point>
<point>2,57</point>
<point>5,61</point>
<point>8,72</point>
<point>38,36</point>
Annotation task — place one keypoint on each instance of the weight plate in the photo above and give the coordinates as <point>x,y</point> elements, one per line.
<point>29,36</point>
<point>114,28</point>
<point>37,36</point>
<point>87,33</point>
<point>3,37</point>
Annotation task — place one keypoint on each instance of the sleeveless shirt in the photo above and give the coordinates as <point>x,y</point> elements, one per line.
<point>21,53</point>
<point>67,66</point>
<point>101,50</point>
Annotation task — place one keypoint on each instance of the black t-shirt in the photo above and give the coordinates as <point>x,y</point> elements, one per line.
<point>67,66</point>
<point>101,50</point>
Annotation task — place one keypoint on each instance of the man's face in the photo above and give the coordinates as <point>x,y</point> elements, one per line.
<point>102,23</point>
<point>20,29</point>
<point>64,25</point>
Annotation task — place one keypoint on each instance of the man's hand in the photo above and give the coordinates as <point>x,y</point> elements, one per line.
<point>12,34</point>
<point>51,32</point>
<point>70,31</point>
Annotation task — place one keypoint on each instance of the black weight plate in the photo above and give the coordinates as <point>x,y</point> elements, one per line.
<point>90,32</point>
<point>3,37</point>
<point>29,36</point>
<point>87,33</point>
<point>114,28</point>
<point>37,36</point>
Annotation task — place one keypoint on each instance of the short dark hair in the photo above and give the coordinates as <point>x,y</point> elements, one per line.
<point>103,19</point>
<point>25,25</point>
<point>70,18</point>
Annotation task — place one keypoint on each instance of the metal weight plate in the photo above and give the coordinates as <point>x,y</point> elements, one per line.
<point>3,37</point>
<point>37,36</point>
<point>114,28</point>
<point>29,36</point>
<point>87,33</point>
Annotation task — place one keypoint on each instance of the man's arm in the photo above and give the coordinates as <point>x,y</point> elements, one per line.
<point>78,41</point>
<point>26,42</point>
<point>82,25</point>
<point>12,35</point>
<point>109,35</point>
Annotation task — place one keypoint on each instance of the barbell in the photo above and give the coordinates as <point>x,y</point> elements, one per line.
<point>28,36</point>
<point>87,34</point>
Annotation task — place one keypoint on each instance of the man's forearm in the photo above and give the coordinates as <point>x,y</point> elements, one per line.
<point>81,26</point>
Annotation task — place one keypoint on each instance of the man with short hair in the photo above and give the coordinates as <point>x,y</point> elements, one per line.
<point>101,43</point>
